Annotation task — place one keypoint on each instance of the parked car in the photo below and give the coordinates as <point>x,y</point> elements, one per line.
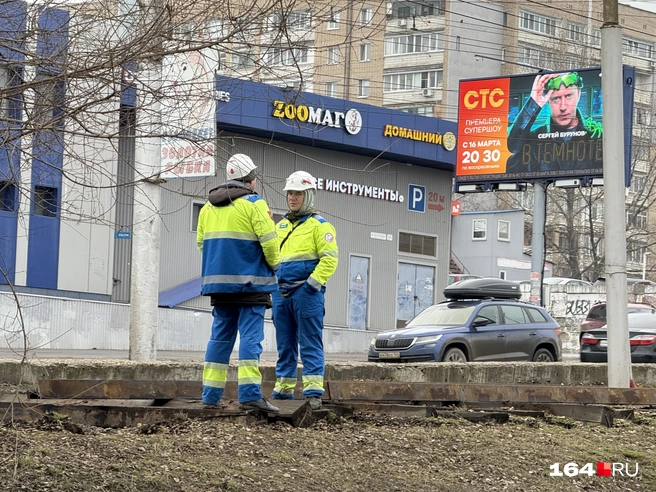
<point>565,281</point>
<point>457,277</point>
<point>596,317</point>
<point>642,340</point>
<point>480,321</point>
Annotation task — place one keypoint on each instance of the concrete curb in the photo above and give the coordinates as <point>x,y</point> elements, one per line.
<point>12,371</point>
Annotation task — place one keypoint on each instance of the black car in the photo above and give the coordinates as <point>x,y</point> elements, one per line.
<point>642,339</point>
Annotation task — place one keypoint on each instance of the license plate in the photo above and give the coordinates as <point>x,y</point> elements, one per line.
<point>603,343</point>
<point>389,355</point>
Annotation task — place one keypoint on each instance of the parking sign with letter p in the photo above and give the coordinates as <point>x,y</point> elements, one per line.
<point>416,198</point>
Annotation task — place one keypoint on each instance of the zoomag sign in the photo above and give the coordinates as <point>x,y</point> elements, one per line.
<point>536,126</point>
<point>352,119</point>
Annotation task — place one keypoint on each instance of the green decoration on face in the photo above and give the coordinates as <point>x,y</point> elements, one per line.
<point>566,79</point>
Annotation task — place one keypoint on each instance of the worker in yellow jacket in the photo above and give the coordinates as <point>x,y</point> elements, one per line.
<point>241,253</point>
<point>308,249</point>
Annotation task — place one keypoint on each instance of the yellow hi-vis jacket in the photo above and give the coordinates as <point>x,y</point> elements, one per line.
<point>308,253</point>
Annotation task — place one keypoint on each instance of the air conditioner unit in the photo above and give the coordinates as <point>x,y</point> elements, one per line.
<point>427,92</point>
<point>403,22</point>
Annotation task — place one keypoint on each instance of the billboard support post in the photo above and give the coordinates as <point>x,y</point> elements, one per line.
<point>619,354</point>
<point>537,241</point>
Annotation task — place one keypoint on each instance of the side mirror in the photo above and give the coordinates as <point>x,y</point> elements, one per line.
<point>480,322</point>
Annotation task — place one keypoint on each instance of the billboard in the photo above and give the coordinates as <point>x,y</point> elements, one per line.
<point>541,126</point>
<point>188,109</point>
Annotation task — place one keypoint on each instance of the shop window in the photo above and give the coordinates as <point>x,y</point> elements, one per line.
<point>7,196</point>
<point>45,201</point>
<point>417,244</point>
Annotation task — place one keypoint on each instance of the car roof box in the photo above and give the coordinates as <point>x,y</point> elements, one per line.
<point>483,288</point>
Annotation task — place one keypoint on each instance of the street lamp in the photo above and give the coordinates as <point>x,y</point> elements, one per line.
<point>644,263</point>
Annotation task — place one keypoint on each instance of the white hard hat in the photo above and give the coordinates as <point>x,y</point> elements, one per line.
<point>300,181</point>
<point>239,166</point>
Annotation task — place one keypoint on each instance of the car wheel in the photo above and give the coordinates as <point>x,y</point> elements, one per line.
<point>454,355</point>
<point>543,355</point>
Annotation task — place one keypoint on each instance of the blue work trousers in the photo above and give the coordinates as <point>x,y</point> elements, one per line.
<point>248,321</point>
<point>298,319</point>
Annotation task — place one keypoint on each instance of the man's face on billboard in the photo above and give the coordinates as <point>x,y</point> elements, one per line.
<point>563,104</point>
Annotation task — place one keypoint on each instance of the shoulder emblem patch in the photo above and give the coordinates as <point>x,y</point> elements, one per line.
<point>329,237</point>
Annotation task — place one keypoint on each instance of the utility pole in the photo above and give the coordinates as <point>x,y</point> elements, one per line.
<point>144,281</point>
<point>537,241</point>
<point>619,354</point>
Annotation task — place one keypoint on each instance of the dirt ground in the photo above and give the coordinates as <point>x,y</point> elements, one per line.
<point>365,452</point>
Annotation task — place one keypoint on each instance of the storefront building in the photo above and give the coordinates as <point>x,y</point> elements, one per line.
<point>385,180</point>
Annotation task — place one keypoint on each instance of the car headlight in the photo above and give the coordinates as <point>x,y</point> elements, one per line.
<point>430,338</point>
<point>373,341</point>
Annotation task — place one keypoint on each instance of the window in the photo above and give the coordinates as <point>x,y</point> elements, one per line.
<point>7,196</point>
<point>404,9</point>
<point>333,22</point>
<point>216,30</point>
<point>563,242</point>
<point>513,315</point>
<point>420,110</point>
<point>502,274</point>
<point>489,314</point>
<point>333,55</point>
<point>635,252</point>
<point>6,76</point>
<point>597,212</point>
<point>537,23</point>
<point>195,212</point>
<point>414,43</point>
<point>641,115</point>
<point>185,31</point>
<point>409,81</point>
<point>365,52</point>
<point>479,229</point>
<point>366,16</point>
<point>575,32</point>
<point>536,57</point>
<point>299,20</point>
<point>638,182</point>
<point>331,89</point>
<point>49,98</point>
<point>417,244</point>
<point>596,37</point>
<point>287,57</point>
<point>637,48</point>
<point>636,218</point>
<point>504,230</point>
<point>363,88</point>
<point>45,201</point>
<point>243,58</point>
<point>535,315</point>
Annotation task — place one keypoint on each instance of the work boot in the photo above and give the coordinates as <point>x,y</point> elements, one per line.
<point>315,403</point>
<point>260,404</point>
<point>215,406</point>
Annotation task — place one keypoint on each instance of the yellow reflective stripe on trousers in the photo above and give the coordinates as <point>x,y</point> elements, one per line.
<point>285,386</point>
<point>312,383</point>
<point>248,372</point>
<point>215,375</point>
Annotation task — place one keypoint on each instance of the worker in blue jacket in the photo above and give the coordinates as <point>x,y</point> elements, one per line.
<point>241,253</point>
<point>308,249</point>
